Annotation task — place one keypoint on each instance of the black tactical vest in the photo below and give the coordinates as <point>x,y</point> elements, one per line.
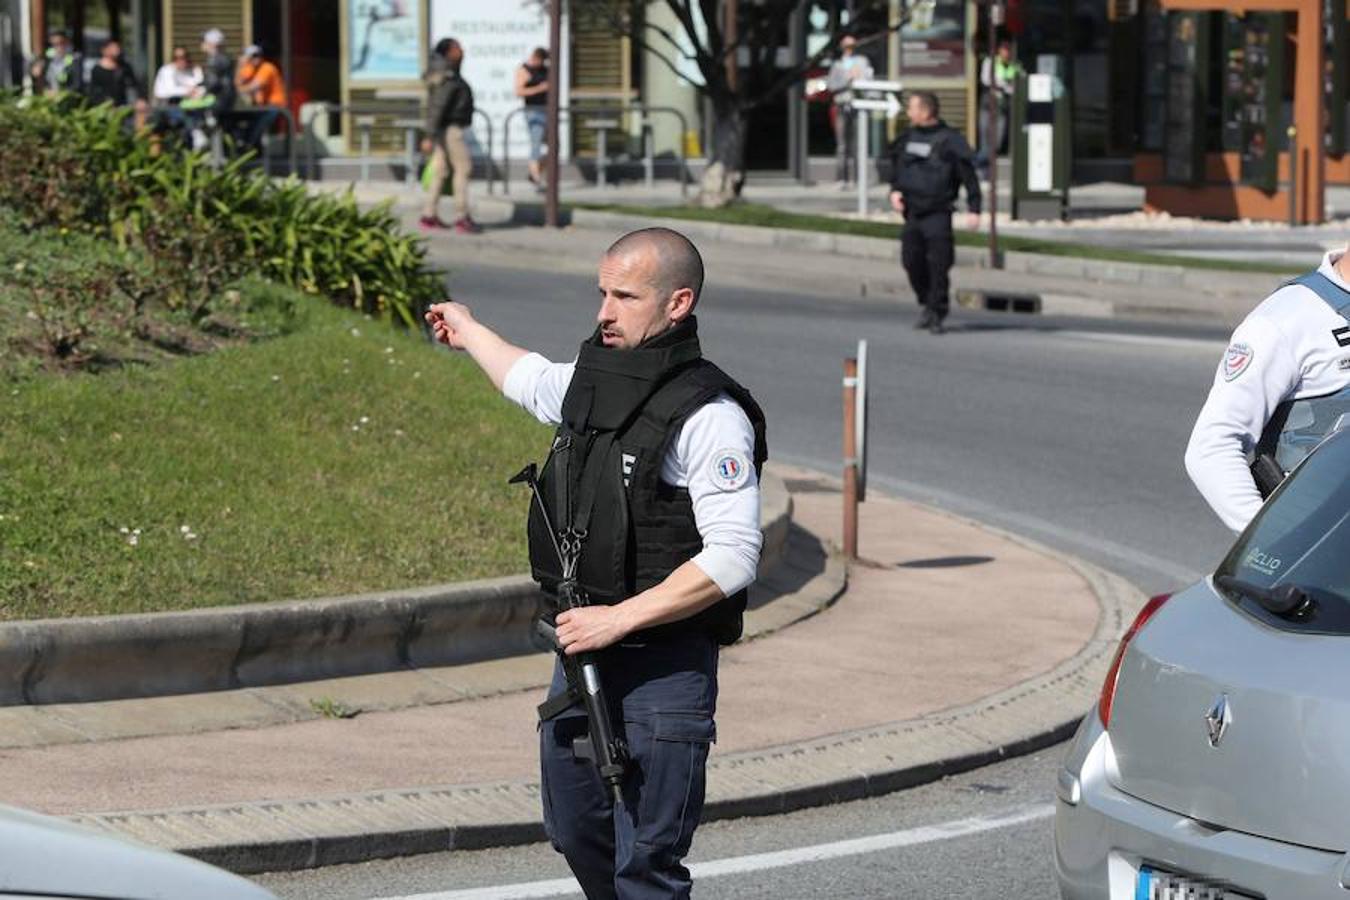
<point>602,480</point>
<point>925,166</point>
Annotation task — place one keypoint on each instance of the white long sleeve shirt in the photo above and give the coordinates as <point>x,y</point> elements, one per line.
<point>1293,345</point>
<point>173,83</point>
<point>712,456</point>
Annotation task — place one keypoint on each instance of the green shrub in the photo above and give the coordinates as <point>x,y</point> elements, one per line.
<point>72,301</point>
<point>64,165</point>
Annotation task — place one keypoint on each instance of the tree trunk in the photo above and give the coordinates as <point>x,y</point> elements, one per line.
<point>725,175</point>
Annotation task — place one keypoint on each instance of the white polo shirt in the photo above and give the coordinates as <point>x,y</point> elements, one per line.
<point>725,498</point>
<point>1293,345</point>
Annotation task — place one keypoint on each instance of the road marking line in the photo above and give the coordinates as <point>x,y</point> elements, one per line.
<point>1147,340</point>
<point>739,865</point>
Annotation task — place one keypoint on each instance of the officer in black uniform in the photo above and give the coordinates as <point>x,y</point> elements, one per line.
<point>654,471</point>
<point>929,163</point>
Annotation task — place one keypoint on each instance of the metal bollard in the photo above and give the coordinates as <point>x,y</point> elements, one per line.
<point>600,159</point>
<point>217,146</point>
<point>850,459</point>
<point>863,120</point>
<point>365,123</point>
<point>648,164</point>
<point>409,156</point>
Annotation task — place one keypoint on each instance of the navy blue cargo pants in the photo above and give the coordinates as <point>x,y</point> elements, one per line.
<point>665,694</point>
<point>927,250</point>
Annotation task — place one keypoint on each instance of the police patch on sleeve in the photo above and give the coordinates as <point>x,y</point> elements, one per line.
<point>730,470</point>
<point>1236,359</point>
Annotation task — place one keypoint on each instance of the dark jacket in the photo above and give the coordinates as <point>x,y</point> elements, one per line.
<point>218,81</point>
<point>449,98</point>
<point>928,167</point>
<point>116,86</point>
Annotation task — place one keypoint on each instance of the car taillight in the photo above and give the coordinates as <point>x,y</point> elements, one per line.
<point>1113,674</point>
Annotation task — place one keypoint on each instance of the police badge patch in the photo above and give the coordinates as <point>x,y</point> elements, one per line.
<point>1236,359</point>
<point>730,469</point>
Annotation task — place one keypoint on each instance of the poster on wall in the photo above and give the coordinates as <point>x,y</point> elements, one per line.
<point>497,38</point>
<point>1183,130</point>
<point>384,41</point>
<point>933,41</point>
<point>1336,77</point>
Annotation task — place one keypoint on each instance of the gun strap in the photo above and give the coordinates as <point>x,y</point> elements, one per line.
<point>558,703</point>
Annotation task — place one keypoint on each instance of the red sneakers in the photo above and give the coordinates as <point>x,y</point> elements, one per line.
<point>431,223</point>
<point>467,225</point>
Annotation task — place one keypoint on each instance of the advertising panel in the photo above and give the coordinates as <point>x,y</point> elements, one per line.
<point>933,42</point>
<point>384,41</point>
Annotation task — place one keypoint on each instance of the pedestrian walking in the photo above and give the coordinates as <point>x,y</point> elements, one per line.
<point>654,469</point>
<point>60,68</point>
<point>1282,385</point>
<point>930,161</point>
<point>449,117</point>
<point>532,89</point>
<point>259,80</point>
<point>997,74</point>
<point>851,66</point>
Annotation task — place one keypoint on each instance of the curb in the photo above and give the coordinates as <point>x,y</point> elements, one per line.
<point>1039,712</point>
<point>1212,282</point>
<point>1083,287</point>
<point>98,658</point>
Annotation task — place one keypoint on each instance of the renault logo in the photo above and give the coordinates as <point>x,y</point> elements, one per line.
<point>1217,720</point>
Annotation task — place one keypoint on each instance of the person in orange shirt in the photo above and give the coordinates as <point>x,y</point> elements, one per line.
<point>260,81</point>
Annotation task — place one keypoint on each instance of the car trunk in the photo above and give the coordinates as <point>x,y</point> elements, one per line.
<point>1282,767</point>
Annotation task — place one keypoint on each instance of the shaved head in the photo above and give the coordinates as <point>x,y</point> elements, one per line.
<point>677,261</point>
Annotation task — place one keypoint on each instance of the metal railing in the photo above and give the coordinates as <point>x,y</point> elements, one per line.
<point>409,119</point>
<point>216,136</point>
<point>648,163</point>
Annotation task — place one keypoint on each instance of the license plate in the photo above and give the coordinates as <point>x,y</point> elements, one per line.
<point>1155,884</point>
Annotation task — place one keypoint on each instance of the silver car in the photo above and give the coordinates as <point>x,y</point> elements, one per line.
<point>46,857</point>
<point>1217,761</point>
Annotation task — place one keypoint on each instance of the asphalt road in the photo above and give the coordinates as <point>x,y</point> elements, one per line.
<point>1068,431</point>
<point>1071,431</point>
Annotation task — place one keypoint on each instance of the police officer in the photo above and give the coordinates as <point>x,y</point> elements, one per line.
<point>655,461</point>
<point>929,163</point>
<point>1282,384</point>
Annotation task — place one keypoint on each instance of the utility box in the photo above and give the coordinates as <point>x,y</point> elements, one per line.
<point>1041,148</point>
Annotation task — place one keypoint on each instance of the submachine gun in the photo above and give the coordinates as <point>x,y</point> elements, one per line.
<point>601,744</point>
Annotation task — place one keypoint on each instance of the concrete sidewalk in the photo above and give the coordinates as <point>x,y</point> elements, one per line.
<point>953,646</point>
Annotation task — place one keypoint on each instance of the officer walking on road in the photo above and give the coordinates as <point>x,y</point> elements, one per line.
<point>929,163</point>
<point>1281,386</point>
<point>655,464</point>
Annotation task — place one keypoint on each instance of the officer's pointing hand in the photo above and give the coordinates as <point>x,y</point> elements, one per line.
<point>448,321</point>
<point>587,628</point>
<point>897,202</point>
<point>973,221</point>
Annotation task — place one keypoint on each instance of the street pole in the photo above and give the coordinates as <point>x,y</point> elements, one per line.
<point>37,27</point>
<point>992,136</point>
<point>850,459</point>
<point>288,66</point>
<point>862,122</point>
<point>551,128</point>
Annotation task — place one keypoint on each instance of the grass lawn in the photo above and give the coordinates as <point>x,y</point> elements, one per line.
<point>771,217</point>
<point>340,458</point>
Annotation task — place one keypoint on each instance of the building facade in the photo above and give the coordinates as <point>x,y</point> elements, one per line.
<point>1174,97</point>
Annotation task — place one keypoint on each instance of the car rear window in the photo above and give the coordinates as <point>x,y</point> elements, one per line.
<point>1302,537</point>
